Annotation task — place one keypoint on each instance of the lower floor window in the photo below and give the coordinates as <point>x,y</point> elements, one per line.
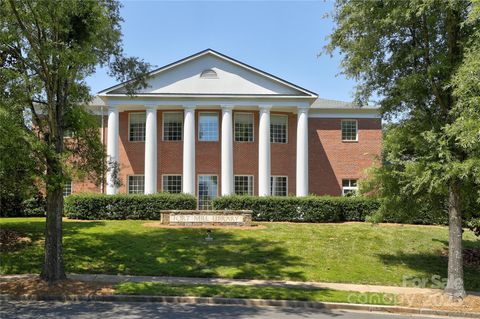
<point>136,184</point>
<point>349,187</point>
<point>278,185</point>
<point>67,188</point>
<point>172,183</point>
<point>207,190</point>
<point>244,185</point>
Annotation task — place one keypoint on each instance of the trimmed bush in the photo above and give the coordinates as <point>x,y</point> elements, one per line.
<point>301,209</point>
<point>124,206</point>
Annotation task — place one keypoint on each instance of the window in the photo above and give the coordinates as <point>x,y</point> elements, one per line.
<point>243,127</point>
<point>172,126</point>
<point>278,185</point>
<point>278,129</point>
<point>67,188</point>
<point>243,185</point>
<point>172,183</point>
<point>136,127</point>
<point>349,187</point>
<point>136,184</point>
<point>349,130</point>
<point>208,127</point>
<point>207,190</point>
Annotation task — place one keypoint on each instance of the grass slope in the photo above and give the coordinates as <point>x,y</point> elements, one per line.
<point>235,291</point>
<point>350,252</point>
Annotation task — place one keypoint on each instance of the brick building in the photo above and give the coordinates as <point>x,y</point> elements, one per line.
<point>210,125</point>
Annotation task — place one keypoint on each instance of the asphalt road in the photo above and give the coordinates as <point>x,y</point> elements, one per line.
<point>107,310</point>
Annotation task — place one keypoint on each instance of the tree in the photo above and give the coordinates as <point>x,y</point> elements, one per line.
<point>407,53</point>
<point>47,49</point>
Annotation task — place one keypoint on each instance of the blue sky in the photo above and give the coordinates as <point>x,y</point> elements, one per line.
<point>282,38</point>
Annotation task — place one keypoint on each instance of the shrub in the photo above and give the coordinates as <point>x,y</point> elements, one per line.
<point>301,209</point>
<point>124,206</point>
<point>35,206</point>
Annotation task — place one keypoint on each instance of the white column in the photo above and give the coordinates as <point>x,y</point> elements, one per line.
<point>189,150</point>
<point>112,149</point>
<point>151,150</point>
<point>302,152</point>
<point>264,152</point>
<point>227,150</point>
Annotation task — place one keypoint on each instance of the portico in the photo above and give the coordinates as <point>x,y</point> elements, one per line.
<point>189,139</point>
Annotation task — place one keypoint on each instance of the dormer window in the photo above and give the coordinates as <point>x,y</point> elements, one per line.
<point>209,74</point>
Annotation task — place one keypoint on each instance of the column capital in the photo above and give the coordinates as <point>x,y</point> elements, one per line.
<point>227,107</point>
<point>189,106</point>
<point>265,107</point>
<point>302,109</point>
<point>112,108</point>
<point>151,106</point>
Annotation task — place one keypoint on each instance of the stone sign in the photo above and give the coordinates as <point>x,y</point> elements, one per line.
<point>207,217</point>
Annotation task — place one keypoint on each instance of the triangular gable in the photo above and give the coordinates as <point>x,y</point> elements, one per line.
<point>212,73</point>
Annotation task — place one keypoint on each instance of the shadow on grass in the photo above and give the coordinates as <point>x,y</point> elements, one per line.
<point>181,252</point>
<point>160,252</point>
<point>434,264</point>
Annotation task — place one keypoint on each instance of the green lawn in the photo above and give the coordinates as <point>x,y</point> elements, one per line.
<point>232,291</point>
<point>351,252</point>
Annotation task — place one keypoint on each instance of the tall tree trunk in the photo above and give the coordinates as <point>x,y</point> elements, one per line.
<point>455,287</point>
<point>53,268</point>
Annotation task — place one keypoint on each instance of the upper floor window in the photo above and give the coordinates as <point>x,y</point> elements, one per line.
<point>136,126</point>
<point>244,185</point>
<point>136,184</point>
<point>243,127</point>
<point>349,187</point>
<point>172,126</point>
<point>278,129</point>
<point>349,130</point>
<point>278,185</point>
<point>208,127</point>
<point>67,188</point>
<point>172,183</point>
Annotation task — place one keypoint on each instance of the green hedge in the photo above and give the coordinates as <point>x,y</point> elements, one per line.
<point>301,209</point>
<point>124,206</point>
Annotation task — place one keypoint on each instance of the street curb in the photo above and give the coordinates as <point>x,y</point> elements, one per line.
<point>242,302</point>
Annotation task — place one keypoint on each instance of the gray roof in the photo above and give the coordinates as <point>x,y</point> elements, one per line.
<point>335,104</point>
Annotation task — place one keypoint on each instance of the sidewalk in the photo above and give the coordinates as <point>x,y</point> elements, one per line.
<point>241,282</point>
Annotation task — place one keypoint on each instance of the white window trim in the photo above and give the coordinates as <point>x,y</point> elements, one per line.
<point>163,126</point>
<point>345,188</point>
<point>71,189</point>
<point>286,133</point>
<point>218,127</point>
<point>253,127</point>
<point>172,175</point>
<point>286,194</point>
<point>128,183</point>
<point>253,182</point>
<point>198,186</point>
<point>356,130</point>
<point>130,113</point>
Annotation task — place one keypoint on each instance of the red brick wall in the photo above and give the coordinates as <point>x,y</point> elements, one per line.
<point>331,160</point>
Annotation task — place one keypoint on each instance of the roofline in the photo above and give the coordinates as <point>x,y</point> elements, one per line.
<point>209,95</point>
<point>199,54</point>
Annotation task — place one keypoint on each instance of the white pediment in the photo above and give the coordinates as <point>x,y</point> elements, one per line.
<point>211,73</point>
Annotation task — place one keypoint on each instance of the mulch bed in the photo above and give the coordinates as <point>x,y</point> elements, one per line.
<point>471,256</point>
<point>11,239</point>
<point>36,286</point>
<point>440,301</point>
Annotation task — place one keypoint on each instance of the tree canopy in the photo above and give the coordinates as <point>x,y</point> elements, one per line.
<point>419,59</point>
<point>47,49</point>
